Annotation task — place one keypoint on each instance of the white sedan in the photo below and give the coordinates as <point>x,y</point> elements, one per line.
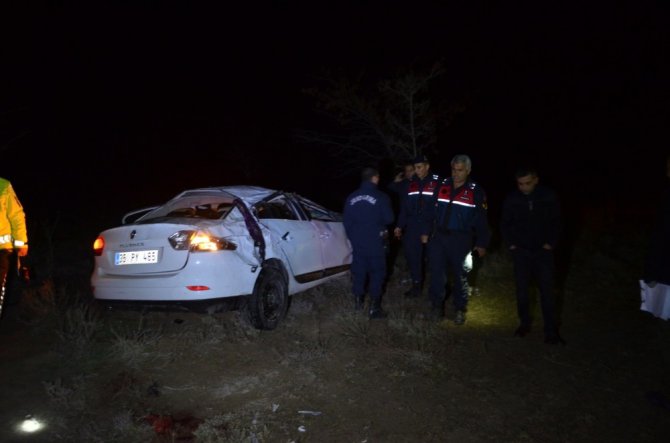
<point>207,245</point>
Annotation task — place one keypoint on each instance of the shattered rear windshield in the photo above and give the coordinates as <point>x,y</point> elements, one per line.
<point>203,207</point>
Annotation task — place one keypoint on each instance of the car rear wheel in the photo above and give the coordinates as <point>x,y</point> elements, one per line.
<point>268,303</point>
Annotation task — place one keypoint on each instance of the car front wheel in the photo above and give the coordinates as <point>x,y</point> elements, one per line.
<point>268,303</point>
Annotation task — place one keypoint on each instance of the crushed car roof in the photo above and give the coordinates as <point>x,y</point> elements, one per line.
<point>249,194</point>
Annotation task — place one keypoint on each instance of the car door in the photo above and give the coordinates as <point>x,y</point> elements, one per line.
<point>335,246</point>
<point>296,237</point>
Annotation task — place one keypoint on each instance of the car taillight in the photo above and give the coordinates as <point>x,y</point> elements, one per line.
<point>98,246</point>
<point>197,241</point>
<point>181,240</point>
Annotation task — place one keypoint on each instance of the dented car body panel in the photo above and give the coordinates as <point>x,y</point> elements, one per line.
<point>212,243</point>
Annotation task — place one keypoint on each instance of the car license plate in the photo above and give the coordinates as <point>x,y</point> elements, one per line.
<point>136,257</point>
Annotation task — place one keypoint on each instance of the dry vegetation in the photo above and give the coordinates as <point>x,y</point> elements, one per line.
<point>329,374</point>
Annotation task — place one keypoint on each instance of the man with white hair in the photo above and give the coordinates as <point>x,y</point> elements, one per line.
<point>460,223</point>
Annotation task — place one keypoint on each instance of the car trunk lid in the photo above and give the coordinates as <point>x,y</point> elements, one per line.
<point>143,249</point>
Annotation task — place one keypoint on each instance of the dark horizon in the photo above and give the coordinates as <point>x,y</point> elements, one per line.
<point>126,105</point>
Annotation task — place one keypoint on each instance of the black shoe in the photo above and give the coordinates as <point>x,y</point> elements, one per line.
<point>377,313</point>
<point>460,317</point>
<point>522,331</point>
<point>359,302</point>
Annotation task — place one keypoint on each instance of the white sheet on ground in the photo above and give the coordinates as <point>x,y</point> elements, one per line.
<point>656,300</point>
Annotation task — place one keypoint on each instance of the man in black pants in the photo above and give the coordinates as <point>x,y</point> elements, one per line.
<point>414,220</point>
<point>367,214</point>
<point>460,224</point>
<point>530,225</point>
<point>399,187</point>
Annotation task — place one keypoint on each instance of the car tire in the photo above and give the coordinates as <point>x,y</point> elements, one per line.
<point>267,305</point>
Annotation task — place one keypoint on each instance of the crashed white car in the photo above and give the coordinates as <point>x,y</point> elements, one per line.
<point>207,245</point>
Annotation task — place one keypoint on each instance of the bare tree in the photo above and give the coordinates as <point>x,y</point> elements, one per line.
<point>411,120</point>
<point>395,120</point>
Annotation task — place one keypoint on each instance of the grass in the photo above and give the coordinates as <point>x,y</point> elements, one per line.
<point>137,346</point>
<point>78,326</point>
<point>354,326</point>
<point>233,428</point>
<point>414,343</point>
<point>414,335</point>
<point>240,384</point>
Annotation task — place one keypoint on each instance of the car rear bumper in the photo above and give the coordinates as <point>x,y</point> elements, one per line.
<point>156,294</point>
<point>204,277</point>
<point>208,306</point>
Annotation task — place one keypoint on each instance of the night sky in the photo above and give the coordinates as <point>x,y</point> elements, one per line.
<point>118,105</point>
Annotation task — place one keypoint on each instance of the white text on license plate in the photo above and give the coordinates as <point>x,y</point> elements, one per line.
<point>136,257</point>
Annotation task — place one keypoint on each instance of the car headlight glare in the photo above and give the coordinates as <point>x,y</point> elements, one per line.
<point>204,242</point>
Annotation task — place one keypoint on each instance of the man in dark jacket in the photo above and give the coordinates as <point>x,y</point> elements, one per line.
<point>401,180</point>
<point>531,225</point>
<point>367,214</point>
<point>398,187</point>
<point>413,224</point>
<point>460,224</point>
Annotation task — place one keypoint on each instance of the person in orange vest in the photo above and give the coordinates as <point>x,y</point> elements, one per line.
<point>13,232</point>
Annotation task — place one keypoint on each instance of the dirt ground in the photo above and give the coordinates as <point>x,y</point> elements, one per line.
<point>328,374</point>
